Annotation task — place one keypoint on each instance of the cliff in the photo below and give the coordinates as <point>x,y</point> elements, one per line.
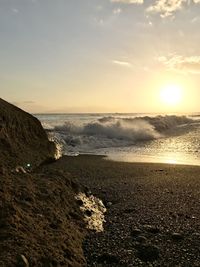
<point>22,139</point>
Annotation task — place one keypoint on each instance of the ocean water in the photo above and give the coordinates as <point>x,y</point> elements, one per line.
<point>127,137</point>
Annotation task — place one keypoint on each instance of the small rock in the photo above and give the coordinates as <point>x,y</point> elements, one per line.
<point>148,252</point>
<point>177,236</point>
<point>196,235</point>
<point>181,215</point>
<point>109,204</point>
<point>108,259</point>
<point>129,210</point>
<point>141,239</point>
<point>54,226</point>
<point>135,232</point>
<point>151,229</point>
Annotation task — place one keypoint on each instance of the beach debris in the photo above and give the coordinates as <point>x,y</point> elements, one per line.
<point>93,210</point>
<point>20,169</point>
<point>22,261</point>
<point>147,252</point>
<point>28,167</point>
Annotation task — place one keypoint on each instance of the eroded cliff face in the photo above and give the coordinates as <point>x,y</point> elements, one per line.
<point>41,224</point>
<point>22,138</point>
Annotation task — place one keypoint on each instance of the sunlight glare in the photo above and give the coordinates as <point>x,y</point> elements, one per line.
<point>171,94</point>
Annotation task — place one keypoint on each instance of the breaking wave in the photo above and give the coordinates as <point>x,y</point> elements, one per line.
<point>113,131</point>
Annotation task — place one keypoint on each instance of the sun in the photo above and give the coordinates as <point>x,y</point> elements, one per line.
<point>171,94</point>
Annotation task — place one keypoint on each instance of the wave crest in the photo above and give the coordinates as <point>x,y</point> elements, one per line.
<point>115,131</point>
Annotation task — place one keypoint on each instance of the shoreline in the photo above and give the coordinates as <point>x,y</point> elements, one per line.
<point>152,209</point>
<point>106,157</point>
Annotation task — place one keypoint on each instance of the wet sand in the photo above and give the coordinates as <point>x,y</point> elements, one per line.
<point>153,211</point>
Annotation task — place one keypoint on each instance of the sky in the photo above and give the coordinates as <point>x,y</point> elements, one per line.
<point>100,55</point>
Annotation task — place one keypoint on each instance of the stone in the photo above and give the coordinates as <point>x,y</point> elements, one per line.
<point>177,236</point>
<point>141,239</point>
<point>108,259</point>
<point>151,229</point>
<point>135,232</point>
<point>129,210</point>
<point>148,253</point>
<point>109,204</point>
<point>196,235</point>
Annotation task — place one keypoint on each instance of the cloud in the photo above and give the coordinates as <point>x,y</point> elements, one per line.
<point>122,63</point>
<point>195,19</point>
<point>117,11</point>
<point>128,1</point>
<point>15,10</point>
<point>182,64</point>
<point>167,8</point>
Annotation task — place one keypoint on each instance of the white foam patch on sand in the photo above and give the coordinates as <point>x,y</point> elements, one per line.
<point>59,143</point>
<point>96,209</point>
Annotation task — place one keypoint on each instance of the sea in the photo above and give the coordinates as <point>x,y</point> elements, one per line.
<point>133,137</point>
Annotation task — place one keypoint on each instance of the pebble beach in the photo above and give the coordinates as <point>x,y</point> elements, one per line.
<point>152,216</point>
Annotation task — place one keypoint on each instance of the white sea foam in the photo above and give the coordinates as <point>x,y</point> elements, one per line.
<point>97,209</point>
